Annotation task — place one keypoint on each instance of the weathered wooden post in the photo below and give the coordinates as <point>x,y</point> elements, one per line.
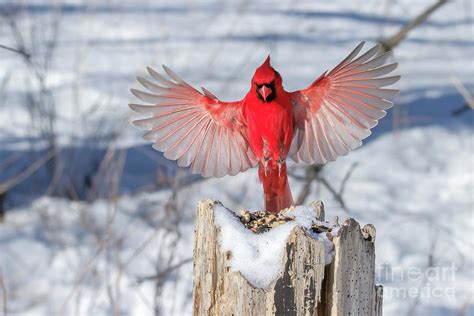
<point>304,286</point>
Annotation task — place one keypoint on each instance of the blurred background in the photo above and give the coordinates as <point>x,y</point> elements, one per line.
<point>93,221</point>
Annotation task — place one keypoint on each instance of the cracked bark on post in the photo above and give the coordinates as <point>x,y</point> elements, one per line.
<point>305,286</point>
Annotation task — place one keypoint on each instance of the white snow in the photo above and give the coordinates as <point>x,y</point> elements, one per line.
<point>259,256</point>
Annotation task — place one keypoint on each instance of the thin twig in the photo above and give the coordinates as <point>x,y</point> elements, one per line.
<point>164,272</point>
<point>20,51</point>
<point>429,265</point>
<point>346,178</point>
<point>336,195</point>
<point>103,243</point>
<point>25,174</point>
<point>86,269</point>
<point>312,173</point>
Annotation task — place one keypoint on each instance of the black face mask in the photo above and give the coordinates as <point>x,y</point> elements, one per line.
<point>271,96</point>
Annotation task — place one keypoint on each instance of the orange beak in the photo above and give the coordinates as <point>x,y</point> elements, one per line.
<point>265,92</point>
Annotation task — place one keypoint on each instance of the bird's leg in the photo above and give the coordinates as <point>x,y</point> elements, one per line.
<point>265,164</point>
<point>281,160</point>
<point>280,163</point>
<point>266,155</point>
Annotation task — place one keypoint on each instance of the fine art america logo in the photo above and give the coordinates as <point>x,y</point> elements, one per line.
<point>413,282</point>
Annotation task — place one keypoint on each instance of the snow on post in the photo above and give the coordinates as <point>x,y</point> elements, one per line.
<point>302,266</point>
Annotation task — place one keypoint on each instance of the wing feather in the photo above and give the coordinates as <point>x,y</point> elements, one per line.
<point>362,83</point>
<point>198,130</point>
<point>336,112</point>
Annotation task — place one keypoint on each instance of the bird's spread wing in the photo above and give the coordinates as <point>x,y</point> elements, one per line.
<point>194,128</point>
<point>337,111</point>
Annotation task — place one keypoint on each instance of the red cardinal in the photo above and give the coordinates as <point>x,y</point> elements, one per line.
<point>314,125</point>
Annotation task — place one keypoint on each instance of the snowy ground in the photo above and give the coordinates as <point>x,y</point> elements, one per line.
<point>414,179</point>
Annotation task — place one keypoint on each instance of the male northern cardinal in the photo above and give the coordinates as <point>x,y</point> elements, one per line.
<point>314,125</point>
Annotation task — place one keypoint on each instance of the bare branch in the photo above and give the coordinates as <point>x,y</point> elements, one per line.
<point>393,41</point>
<point>469,105</point>
<point>25,174</point>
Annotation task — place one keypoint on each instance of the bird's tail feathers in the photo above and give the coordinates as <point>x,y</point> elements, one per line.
<point>277,193</point>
